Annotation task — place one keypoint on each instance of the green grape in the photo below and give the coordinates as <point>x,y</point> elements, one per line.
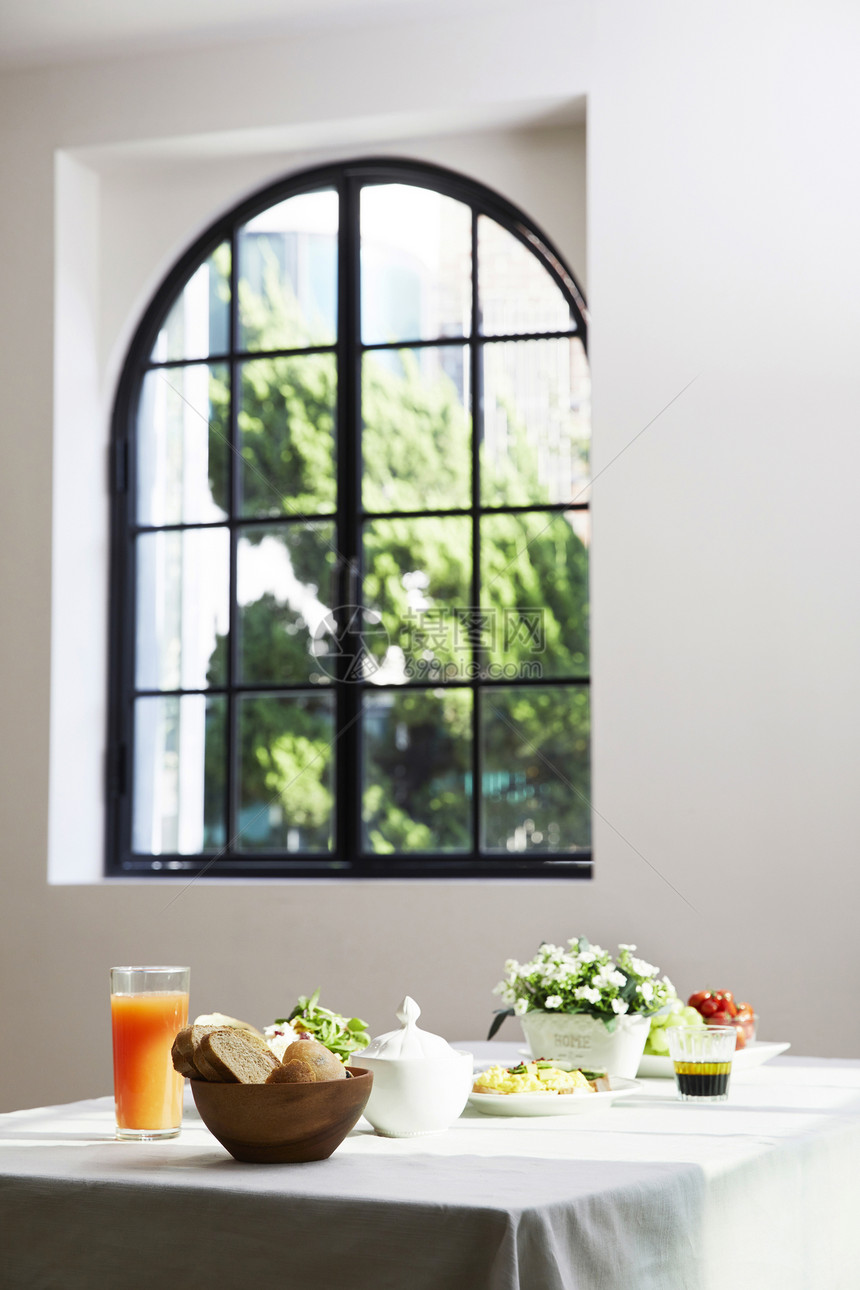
<point>676,1015</point>
<point>658,1043</point>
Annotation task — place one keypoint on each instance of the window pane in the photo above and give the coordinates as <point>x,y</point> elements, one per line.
<point>516,294</point>
<point>284,580</point>
<point>534,588</point>
<point>183,446</point>
<point>460,629</point>
<point>182,609</point>
<point>180,763</point>
<point>199,322</point>
<point>286,772</point>
<point>536,423</point>
<point>417,578</point>
<point>535,768</point>
<point>417,790</point>
<point>287,435</point>
<point>288,274</point>
<point>416,442</point>
<point>416,264</point>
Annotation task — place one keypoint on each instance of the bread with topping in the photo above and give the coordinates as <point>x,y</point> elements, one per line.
<point>220,1019</point>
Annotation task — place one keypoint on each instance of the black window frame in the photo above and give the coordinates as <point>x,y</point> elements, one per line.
<point>344,861</point>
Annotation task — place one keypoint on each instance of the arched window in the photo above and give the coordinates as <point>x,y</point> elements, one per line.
<point>350,542</point>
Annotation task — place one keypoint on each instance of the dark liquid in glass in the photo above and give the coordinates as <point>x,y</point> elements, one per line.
<point>703,1079</point>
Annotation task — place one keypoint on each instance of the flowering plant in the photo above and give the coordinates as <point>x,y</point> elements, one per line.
<point>585,979</point>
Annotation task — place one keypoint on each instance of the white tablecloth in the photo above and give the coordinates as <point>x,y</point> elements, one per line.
<point>760,1192</point>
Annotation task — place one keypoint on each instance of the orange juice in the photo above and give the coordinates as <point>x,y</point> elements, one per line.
<point>147,1089</point>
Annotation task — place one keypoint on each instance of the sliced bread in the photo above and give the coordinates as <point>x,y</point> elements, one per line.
<point>186,1046</point>
<point>182,1053</point>
<point>231,1056</point>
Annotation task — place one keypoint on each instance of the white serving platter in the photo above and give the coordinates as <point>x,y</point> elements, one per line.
<point>551,1103</point>
<point>745,1059</point>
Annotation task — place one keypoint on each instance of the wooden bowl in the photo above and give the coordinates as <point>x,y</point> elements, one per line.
<point>282,1123</point>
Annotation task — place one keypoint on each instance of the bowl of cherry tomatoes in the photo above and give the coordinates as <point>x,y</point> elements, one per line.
<point>718,1008</point>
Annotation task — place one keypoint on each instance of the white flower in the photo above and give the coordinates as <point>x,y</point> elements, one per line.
<point>609,976</point>
<point>646,990</point>
<point>641,968</point>
<point>521,1006</point>
<point>512,967</point>
<point>553,1001</point>
<point>619,1006</point>
<point>587,956</point>
<point>587,992</point>
<point>631,948</point>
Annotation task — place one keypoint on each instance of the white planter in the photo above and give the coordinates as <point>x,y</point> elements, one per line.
<point>581,1040</point>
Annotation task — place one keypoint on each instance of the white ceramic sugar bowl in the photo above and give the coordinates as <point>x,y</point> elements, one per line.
<point>420,1083</point>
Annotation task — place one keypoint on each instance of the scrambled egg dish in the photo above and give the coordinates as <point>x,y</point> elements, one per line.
<point>531,1077</point>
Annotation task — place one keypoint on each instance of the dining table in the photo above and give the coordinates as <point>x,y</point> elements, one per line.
<point>761,1191</point>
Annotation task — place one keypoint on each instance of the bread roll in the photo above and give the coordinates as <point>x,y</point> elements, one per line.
<point>307,1061</point>
<point>292,1073</point>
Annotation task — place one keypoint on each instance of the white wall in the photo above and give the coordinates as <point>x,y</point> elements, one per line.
<point>722,217</point>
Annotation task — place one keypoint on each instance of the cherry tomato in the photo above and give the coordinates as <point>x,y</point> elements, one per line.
<point>747,1022</point>
<point>746,1010</point>
<point>695,1000</point>
<point>741,1040</point>
<point>725,994</point>
<point>708,1007</point>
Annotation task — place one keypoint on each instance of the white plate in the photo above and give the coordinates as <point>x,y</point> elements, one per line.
<point>745,1059</point>
<point>551,1103</point>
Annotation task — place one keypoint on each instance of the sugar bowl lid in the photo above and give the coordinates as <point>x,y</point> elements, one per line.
<point>408,1041</point>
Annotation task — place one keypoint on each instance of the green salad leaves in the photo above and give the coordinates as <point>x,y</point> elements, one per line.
<point>341,1035</point>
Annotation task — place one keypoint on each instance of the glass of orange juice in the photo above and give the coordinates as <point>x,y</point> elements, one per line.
<point>148,1006</point>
